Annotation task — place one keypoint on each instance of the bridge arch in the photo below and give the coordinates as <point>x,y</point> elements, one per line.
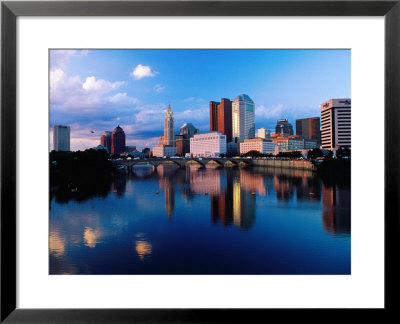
<point>168,161</point>
<point>231,163</point>
<point>194,162</point>
<point>215,162</point>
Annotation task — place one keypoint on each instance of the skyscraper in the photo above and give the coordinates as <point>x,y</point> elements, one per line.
<point>221,117</point>
<point>169,127</point>
<point>243,118</point>
<point>61,138</point>
<point>182,141</point>
<point>187,130</point>
<point>213,116</point>
<point>283,127</point>
<point>105,140</point>
<point>309,128</point>
<point>336,123</point>
<point>118,141</point>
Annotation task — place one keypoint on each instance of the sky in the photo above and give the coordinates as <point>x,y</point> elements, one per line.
<point>97,90</point>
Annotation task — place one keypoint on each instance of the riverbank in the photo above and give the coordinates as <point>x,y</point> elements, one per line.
<point>286,164</point>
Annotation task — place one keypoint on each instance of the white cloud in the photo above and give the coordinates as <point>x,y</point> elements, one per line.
<point>100,85</point>
<point>56,76</point>
<point>142,71</point>
<point>158,88</point>
<point>123,98</point>
<point>193,114</point>
<point>274,111</point>
<point>59,58</point>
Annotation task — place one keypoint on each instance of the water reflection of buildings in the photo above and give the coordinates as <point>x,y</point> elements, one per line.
<point>119,184</point>
<point>235,202</point>
<point>286,182</point>
<point>143,248</point>
<point>206,181</point>
<point>336,214</point>
<point>283,187</point>
<point>166,184</point>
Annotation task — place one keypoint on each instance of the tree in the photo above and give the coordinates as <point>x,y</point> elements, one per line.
<point>314,153</point>
<point>342,152</point>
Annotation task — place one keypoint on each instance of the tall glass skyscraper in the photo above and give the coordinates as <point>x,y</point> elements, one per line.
<point>243,126</point>
<point>61,138</point>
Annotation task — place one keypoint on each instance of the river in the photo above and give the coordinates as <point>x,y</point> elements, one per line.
<point>202,221</point>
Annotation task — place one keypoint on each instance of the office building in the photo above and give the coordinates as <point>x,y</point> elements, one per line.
<point>213,116</point>
<point>208,144</point>
<point>221,117</point>
<point>182,141</point>
<point>260,145</point>
<point>164,150</point>
<point>243,111</point>
<point>283,127</point>
<point>61,138</point>
<point>263,132</point>
<point>105,140</point>
<point>309,128</point>
<point>187,130</point>
<point>169,127</point>
<point>118,141</point>
<point>336,124</point>
<point>293,143</point>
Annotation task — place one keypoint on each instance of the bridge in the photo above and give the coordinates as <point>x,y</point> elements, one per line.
<point>183,162</point>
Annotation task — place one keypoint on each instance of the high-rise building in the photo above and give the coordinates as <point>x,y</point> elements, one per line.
<point>187,130</point>
<point>283,127</point>
<point>309,128</point>
<point>61,138</point>
<point>166,143</point>
<point>169,127</point>
<point>336,123</point>
<point>243,126</point>
<point>105,140</point>
<point>213,116</point>
<point>221,117</point>
<point>182,141</point>
<point>118,141</point>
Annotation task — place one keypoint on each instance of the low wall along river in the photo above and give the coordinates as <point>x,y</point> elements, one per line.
<point>286,164</point>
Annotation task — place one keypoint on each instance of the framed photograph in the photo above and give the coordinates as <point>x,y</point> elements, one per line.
<point>198,161</point>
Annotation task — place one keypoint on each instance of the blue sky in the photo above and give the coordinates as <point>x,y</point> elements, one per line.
<point>96,90</point>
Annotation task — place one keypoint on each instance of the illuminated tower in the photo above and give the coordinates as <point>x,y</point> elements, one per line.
<point>169,127</point>
<point>243,118</point>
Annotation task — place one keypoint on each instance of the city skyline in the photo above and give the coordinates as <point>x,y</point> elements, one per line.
<point>133,88</point>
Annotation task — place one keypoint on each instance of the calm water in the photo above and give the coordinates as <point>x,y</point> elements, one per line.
<point>202,221</point>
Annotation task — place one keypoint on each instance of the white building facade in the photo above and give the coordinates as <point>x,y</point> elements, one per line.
<point>210,144</point>
<point>61,138</point>
<point>336,123</point>
<point>261,133</point>
<point>257,144</point>
<point>163,150</point>
<point>243,116</point>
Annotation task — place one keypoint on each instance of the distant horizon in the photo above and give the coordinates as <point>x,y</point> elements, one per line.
<point>93,91</point>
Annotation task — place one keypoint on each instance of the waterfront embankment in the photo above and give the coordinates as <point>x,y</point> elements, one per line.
<point>285,164</point>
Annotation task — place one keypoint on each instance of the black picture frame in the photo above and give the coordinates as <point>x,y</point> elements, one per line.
<point>10,10</point>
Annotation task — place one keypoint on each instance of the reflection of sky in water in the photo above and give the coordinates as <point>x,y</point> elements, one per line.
<point>198,220</point>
